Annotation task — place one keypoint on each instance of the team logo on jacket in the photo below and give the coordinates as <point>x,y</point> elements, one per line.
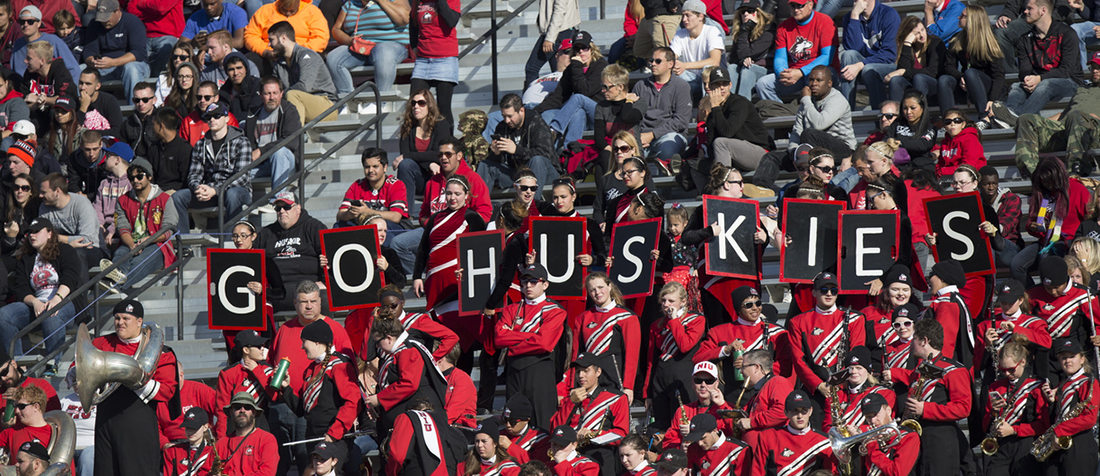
<point>185,462</point>
<point>1048,307</point>
<point>706,465</point>
<point>248,451</point>
<point>818,331</point>
<point>887,320</point>
<point>787,452</point>
<point>591,325</point>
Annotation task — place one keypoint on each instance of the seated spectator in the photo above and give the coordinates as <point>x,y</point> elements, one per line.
<point>49,9</point>
<point>47,80</point>
<point>170,154</point>
<point>423,127</point>
<point>194,127</point>
<point>624,47</point>
<point>184,52</point>
<point>384,25</point>
<point>72,217</point>
<point>1012,25</point>
<point>266,126</point>
<point>13,107</point>
<point>241,89</point>
<point>211,166</point>
<point>433,34</point>
<point>920,62</point>
<point>66,28</point>
<point>81,167</point>
<point>962,144</point>
<point>570,108</point>
<point>668,108</point>
<point>23,160</point>
<point>824,117</point>
<point>619,111</point>
<point>522,140</point>
<point>887,114</point>
<point>140,214</point>
<point>537,91</point>
<point>697,45</point>
<point>1007,205</point>
<point>185,89</point>
<point>1072,130</point>
<point>115,183</point>
<point>1056,208</point>
<point>557,22</point>
<point>30,433</point>
<point>375,194</point>
<point>216,16</point>
<point>294,242</point>
<point>8,32</point>
<point>1044,76</point>
<point>101,111</point>
<point>309,26</point>
<point>21,204</point>
<point>219,44</point>
<point>66,129</point>
<point>942,17</point>
<point>804,40</point>
<point>735,133</point>
<point>137,129</point>
<point>753,33</point>
<point>30,23</point>
<point>117,54</point>
<point>975,61</point>
<point>163,21</point>
<point>656,27</point>
<point>309,86</point>
<point>870,49</point>
<point>914,129</point>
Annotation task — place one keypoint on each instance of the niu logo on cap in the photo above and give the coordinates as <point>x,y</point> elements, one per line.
<point>692,427</point>
<point>753,292</point>
<point>866,400</point>
<point>827,276</point>
<point>903,313</point>
<point>855,360</point>
<point>668,456</point>
<point>129,308</point>
<point>322,446</point>
<point>507,412</point>
<point>26,446</point>
<point>1047,281</point>
<point>903,277</point>
<point>559,433</point>
<point>478,427</point>
<point>1006,289</point>
<point>798,398</point>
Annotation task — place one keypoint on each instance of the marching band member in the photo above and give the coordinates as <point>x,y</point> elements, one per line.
<point>324,459</point>
<point>437,256</point>
<point>767,406</point>
<point>795,448</point>
<point>1063,305</point>
<point>487,458</point>
<point>564,196</point>
<point>423,444</point>
<point>1013,320</point>
<point>391,304</point>
<point>192,456</point>
<point>673,341</point>
<point>460,399</point>
<point>632,455</point>
<point>673,462</point>
<point>247,450</point>
<point>894,457</point>
<point>1078,391</point>
<point>610,332</point>
<point>897,289</point>
<point>859,384</point>
<point>595,412</point>
<point>938,402</point>
<point>708,399</point>
<point>635,174</point>
<point>529,331</point>
<point>897,353</point>
<point>523,441</point>
<point>712,453</point>
<point>1017,404</point>
<point>126,420</point>
<point>750,331</point>
<point>950,310</point>
<point>820,337</point>
<point>406,375</point>
<point>566,461</point>
<point>250,375</point>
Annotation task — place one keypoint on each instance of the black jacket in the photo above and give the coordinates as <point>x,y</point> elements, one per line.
<point>957,63</point>
<point>296,250</point>
<point>138,132</point>
<point>736,119</point>
<point>1032,54</point>
<point>59,82</point>
<point>757,49</point>
<point>931,64</point>
<point>83,175</point>
<point>69,268</point>
<point>575,80</point>
<point>246,100</point>
<point>532,139</point>
<point>171,162</point>
<point>407,146</point>
<point>1062,11</point>
<point>661,7</point>
<point>287,124</point>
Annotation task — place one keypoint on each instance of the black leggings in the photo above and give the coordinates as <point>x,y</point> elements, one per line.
<point>443,92</point>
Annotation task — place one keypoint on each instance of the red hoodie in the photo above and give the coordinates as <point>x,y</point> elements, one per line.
<point>965,148</point>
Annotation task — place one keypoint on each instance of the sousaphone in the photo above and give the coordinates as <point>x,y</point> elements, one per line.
<point>99,373</point>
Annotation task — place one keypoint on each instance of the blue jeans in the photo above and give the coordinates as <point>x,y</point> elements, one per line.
<point>130,73</point>
<point>921,82</point>
<point>1085,36</point>
<point>1005,256</point>
<point>157,51</point>
<point>251,6</point>
<point>573,118</point>
<point>405,245</point>
<point>666,146</point>
<point>618,49</point>
<point>384,57</point>
<point>768,87</point>
<point>846,179</point>
<point>138,267</point>
<point>497,174</point>
<point>18,315</point>
<point>236,198</point>
<point>1028,259</point>
<point>85,461</point>
<point>409,172</point>
<point>831,7</point>
<point>876,95</point>
<point>287,426</point>
<point>1020,102</point>
<point>743,79</point>
<point>977,90</point>
<point>695,80</point>
<point>279,167</point>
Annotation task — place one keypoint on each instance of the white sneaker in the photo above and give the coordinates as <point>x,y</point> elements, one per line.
<point>343,110</point>
<point>115,275</point>
<point>368,108</point>
<point>269,208</point>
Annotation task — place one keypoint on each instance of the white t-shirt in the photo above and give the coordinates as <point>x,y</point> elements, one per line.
<point>44,279</point>
<point>690,50</point>
<point>540,88</point>
<point>85,421</point>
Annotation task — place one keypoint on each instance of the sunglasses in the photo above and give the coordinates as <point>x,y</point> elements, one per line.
<point>797,6</point>
<point>446,154</point>
<point>736,182</point>
<point>607,87</point>
<point>419,103</point>
<point>900,324</point>
<point>581,48</point>
<point>529,281</point>
<point>830,169</point>
<point>828,290</point>
<point>707,381</point>
<point>239,407</point>
<point>527,188</point>
<point>28,22</point>
<point>143,100</point>
<point>138,176</point>
<point>624,148</point>
<point>957,120</point>
<point>656,61</point>
<point>888,115</point>
<point>1008,369</point>
<point>718,85</point>
<point>751,304</point>
<point>21,406</point>
<point>181,57</point>
<point>282,207</point>
<point>213,117</point>
<point>206,97</point>
<point>23,188</point>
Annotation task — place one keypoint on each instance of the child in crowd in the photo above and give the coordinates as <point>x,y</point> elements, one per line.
<point>64,24</point>
<point>962,144</point>
<point>684,256</point>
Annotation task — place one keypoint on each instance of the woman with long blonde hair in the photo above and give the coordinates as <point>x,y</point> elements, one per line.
<point>753,33</point>
<point>975,63</point>
<point>624,145</point>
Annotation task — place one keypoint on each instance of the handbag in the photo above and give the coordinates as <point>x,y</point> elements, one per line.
<point>360,45</point>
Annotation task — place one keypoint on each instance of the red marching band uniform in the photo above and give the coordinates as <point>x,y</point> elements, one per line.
<point>532,444</point>
<point>1080,459</point>
<point>1031,327</point>
<point>789,452</point>
<point>614,335</point>
<point>669,360</point>
<point>728,457</point>
<point>753,335</point>
<point>604,414</point>
<point>1026,412</point>
<point>850,399</point>
<point>898,459</point>
<point>180,459</point>
<point>236,379</point>
<point>496,467</point>
<point>816,339</point>
<point>947,399</point>
<point>766,407</point>
<point>949,309</point>
<point>673,438</point>
<point>576,465</point>
<point>419,321</point>
<point>419,446</point>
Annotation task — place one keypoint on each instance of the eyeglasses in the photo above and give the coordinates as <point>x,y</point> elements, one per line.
<point>828,290</point>
<point>185,76</point>
<point>282,207</point>
<point>181,57</point>
<point>241,236</point>
<point>962,183</point>
<point>137,176</point>
<point>446,154</point>
<point>527,188</point>
<point>900,324</point>
<point>797,6</point>
<point>23,188</point>
<point>751,304</point>
<point>607,87</point>
<point>736,182</point>
<point>887,115</point>
<point>707,381</point>
<point>629,171</point>
<point>830,169</point>
<point>656,61</point>
<point>206,97</point>
<point>529,281</point>
<point>419,103</point>
<point>957,120</point>
<point>624,148</point>
<point>143,100</point>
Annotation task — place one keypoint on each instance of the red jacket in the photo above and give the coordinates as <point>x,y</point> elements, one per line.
<point>767,407</point>
<point>1028,415</point>
<point>192,394</point>
<point>897,460</point>
<point>165,380</point>
<point>681,334</point>
<point>161,17</point>
<point>614,331</point>
<point>850,403</point>
<point>288,343</point>
<point>181,460</point>
<point>791,453</point>
<point>1079,197</point>
<point>815,342</point>
<point>524,336</point>
<point>673,438</point>
<point>153,210</point>
<point>1077,389</point>
<point>752,337</point>
<point>945,399</point>
<point>361,319</point>
<point>1066,315</point>
<point>578,466</point>
<point>499,468</point>
<point>236,378</point>
<point>593,413</point>
<point>258,455</point>
<point>193,128</point>
<point>335,384</point>
<point>478,200</point>
<point>952,313</point>
<point>460,401</point>
<point>530,445</point>
<point>965,148</point>
<point>412,431</point>
<point>1031,327</point>
<point>731,458</point>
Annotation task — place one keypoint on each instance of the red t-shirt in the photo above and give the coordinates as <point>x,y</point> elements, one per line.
<point>12,438</point>
<point>391,196</point>
<point>436,39</point>
<point>804,42</point>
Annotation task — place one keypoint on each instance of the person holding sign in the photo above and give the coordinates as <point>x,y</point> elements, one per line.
<point>600,415</point>
<point>1056,209</point>
<point>564,196</point>
<point>673,341</point>
<point>610,332</point>
<point>422,326</point>
<point>747,333</point>
<point>244,238</point>
<point>635,174</point>
<point>647,206</point>
<point>610,185</point>
<point>511,217</point>
<point>437,258</point>
<point>527,333</point>
<point>897,291</point>
<point>880,196</point>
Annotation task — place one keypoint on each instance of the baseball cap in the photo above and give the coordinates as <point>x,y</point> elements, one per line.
<point>129,306</point>
<point>802,153</point>
<point>535,271</point>
<point>287,197</point>
<point>1067,345</point>
<point>751,4</point>
<point>31,11</point>
<point>566,45</point>
<point>696,6</point>
<point>38,224</point>
<point>104,9</point>
<point>872,403</point>
<point>1054,271</point>
<point>325,450</point>
<point>195,418</point>
<point>582,39</point>
<point>825,278</point>
<point>797,400</point>
<point>250,338</point>
<point>34,448</point>
<point>701,424</point>
<point>585,360</point>
<point>672,460</point>
<point>706,367</point>
<point>64,103</point>
<point>215,110</point>
<point>564,435</point>
<point>24,127</point>
<point>121,149</point>
<point>718,75</point>
<point>1095,60</point>
<point>1010,291</point>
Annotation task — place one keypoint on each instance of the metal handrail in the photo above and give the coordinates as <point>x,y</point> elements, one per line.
<point>84,288</point>
<point>494,27</point>
<point>221,188</point>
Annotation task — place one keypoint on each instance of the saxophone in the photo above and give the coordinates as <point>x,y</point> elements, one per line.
<point>990,445</point>
<point>840,426</point>
<point>1048,443</point>
<point>926,373</point>
<point>216,465</point>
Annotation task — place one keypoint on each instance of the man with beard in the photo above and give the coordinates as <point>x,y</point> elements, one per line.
<point>248,450</point>
<point>140,214</point>
<point>268,125</point>
<point>32,459</point>
<point>303,71</point>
